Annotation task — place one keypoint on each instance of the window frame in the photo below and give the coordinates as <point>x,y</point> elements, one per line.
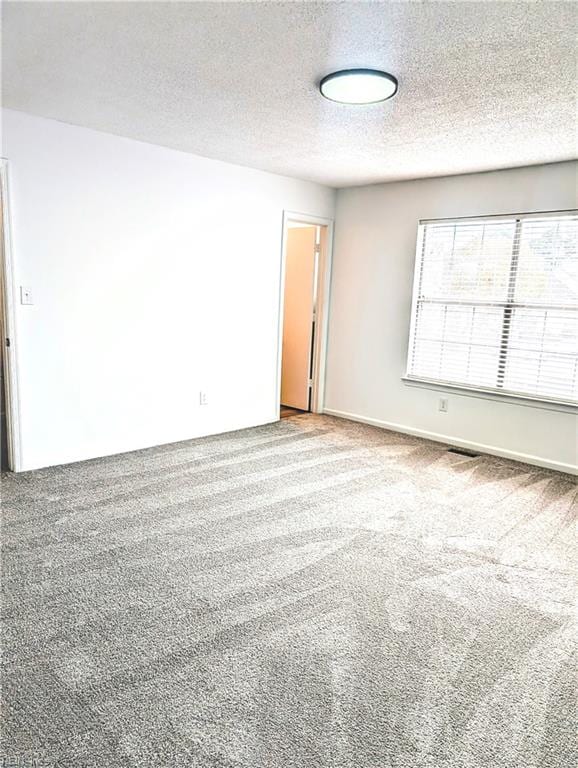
<point>538,401</point>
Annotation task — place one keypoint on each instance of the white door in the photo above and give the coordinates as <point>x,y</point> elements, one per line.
<point>298,316</point>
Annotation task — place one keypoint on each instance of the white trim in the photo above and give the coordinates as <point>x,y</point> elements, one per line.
<point>323,291</point>
<point>493,450</point>
<point>11,374</point>
<point>501,216</point>
<point>491,394</point>
<point>417,267</point>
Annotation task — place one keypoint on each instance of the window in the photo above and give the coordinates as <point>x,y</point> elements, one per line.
<point>495,305</point>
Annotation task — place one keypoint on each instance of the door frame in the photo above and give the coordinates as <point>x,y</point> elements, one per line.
<point>8,343</point>
<point>322,308</point>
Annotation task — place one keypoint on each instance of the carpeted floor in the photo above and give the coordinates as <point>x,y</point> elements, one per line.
<point>308,594</point>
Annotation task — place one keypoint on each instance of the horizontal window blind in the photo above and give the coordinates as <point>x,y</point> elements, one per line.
<point>495,305</point>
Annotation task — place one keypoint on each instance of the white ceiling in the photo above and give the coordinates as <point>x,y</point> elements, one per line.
<point>481,85</point>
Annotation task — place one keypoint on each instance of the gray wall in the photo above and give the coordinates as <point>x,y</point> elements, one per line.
<point>374,254</point>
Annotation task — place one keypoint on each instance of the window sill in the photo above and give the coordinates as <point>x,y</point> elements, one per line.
<point>486,394</point>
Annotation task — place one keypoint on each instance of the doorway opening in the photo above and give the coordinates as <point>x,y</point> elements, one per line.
<point>4,459</point>
<point>305,278</point>
<point>9,399</point>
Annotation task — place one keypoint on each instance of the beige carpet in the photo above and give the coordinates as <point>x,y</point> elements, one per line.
<point>308,594</point>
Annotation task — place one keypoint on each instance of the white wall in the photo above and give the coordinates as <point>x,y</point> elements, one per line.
<point>155,274</point>
<point>374,252</point>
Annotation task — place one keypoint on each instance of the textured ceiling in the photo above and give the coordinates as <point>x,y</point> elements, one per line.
<point>481,85</point>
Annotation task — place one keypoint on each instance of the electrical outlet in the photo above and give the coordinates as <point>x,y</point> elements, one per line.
<point>203,398</point>
<point>443,404</point>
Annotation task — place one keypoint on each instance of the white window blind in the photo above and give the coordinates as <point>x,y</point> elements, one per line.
<point>495,305</point>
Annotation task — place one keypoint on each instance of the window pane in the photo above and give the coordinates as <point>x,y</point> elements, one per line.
<point>542,353</point>
<point>458,323</point>
<point>427,359</point>
<point>460,344</point>
<point>465,261</point>
<point>548,262</point>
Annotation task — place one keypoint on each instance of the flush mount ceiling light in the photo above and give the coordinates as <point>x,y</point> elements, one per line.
<point>358,86</point>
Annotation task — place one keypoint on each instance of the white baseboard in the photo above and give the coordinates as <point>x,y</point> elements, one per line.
<point>503,453</point>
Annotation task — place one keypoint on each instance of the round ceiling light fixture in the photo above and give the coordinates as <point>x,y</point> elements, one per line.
<point>358,86</point>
